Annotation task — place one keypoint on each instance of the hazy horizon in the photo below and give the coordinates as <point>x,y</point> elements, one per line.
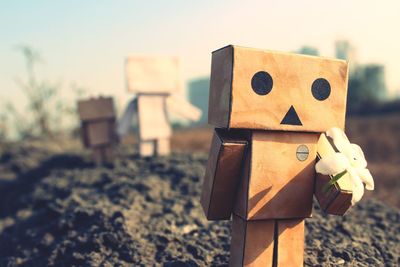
<point>86,42</point>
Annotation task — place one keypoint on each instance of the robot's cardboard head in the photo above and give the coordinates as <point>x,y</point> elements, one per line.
<point>258,89</point>
<point>153,75</point>
<point>101,108</point>
<point>98,121</point>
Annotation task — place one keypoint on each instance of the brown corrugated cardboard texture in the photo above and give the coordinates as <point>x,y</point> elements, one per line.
<point>224,169</point>
<point>290,243</point>
<point>100,133</point>
<point>220,87</point>
<point>335,201</point>
<point>103,155</point>
<point>252,242</point>
<point>295,92</point>
<point>238,234</point>
<point>277,243</point>
<point>278,184</point>
<point>96,109</point>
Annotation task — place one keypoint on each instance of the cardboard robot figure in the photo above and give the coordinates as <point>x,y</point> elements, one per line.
<point>156,82</point>
<point>98,127</point>
<point>269,110</point>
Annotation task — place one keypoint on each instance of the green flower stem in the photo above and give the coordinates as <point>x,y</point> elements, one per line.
<point>333,181</point>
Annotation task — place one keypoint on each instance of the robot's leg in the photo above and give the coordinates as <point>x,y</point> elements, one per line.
<point>290,242</point>
<point>103,155</point>
<point>98,155</point>
<point>108,155</point>
<point>163,147</point>
<point>147,148</point>
<point>252,242</point>
<point>275,243</point>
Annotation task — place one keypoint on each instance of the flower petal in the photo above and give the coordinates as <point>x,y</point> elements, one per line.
<point>350,154</point>
<point>358,157</point>
<point>332,164</point>
<point>339,138</point>
<point>358,192</point>
<point>366,177</point>
<point>358,187</point>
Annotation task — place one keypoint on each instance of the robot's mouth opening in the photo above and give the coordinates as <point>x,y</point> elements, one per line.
<point>291,117</point>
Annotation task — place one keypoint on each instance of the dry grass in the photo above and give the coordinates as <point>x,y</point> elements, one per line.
<point>192,140</point>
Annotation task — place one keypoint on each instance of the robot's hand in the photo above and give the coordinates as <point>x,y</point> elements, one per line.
<point>183,108</point>
<point>341,172</point>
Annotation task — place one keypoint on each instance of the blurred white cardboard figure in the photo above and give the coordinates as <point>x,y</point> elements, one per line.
<point>157,85</point>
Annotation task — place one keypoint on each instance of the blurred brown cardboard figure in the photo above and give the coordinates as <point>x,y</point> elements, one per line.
<point>98,127</point>
<point>156,82</point>
<point>269,110</point>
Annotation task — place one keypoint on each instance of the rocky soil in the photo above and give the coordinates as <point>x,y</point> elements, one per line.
<point>61,210</point>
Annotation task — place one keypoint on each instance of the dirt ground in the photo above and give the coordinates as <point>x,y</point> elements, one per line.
<point>58,209</point>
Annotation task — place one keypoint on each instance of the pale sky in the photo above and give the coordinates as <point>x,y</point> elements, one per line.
<point>85,42</point>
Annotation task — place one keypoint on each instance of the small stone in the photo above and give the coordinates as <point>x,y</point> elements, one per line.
<point>47,240</point>
<point>340,261</point>
<point>372,261</point>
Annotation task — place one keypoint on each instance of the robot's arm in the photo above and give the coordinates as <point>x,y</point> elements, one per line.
<point>223,174</point>
<point>336,199</point>
<point>84,134</point>
<point>127,119</point>
<point>183,108</point>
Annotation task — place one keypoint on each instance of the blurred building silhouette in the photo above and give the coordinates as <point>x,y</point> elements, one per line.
<point>308,50</point>
<point>198,90</point>
<point>366,81</point>
<point>344,50</point>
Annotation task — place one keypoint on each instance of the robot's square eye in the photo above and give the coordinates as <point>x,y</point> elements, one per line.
<point>262,83</point>
<point>321,89</point>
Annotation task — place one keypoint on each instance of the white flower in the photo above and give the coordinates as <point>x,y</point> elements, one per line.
<point>350,158</point>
